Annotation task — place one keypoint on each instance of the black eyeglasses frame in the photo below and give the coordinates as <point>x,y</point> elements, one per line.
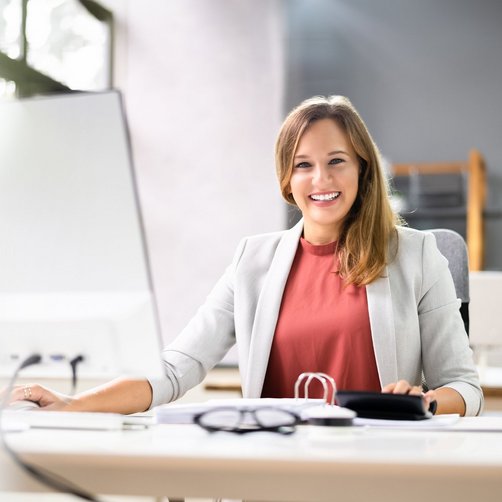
<point>242,427</point>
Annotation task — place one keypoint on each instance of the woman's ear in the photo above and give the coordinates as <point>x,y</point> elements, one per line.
<point>289,196</point>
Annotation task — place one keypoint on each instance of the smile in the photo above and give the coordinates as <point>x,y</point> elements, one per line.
<point>325,196</point>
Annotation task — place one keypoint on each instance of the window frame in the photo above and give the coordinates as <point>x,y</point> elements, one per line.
<point>30,81</point>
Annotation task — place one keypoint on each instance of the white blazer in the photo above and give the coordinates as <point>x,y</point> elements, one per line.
<point>413,309</point>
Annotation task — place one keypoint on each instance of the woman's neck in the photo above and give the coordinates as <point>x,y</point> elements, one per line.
<point>320,235</point>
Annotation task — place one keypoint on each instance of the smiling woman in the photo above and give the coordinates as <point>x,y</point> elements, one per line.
<point>324,180</point>
<point>329,167</point>
<point>348,291</point>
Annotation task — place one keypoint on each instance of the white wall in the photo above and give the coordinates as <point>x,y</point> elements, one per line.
<point>203,87</point>
<point>425,76</point>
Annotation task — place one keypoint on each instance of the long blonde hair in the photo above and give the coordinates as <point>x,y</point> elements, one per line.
<point>364,241</point>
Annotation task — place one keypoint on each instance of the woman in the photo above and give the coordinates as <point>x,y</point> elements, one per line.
<point>347,291</point>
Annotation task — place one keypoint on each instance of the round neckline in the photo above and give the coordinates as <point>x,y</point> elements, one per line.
<point>318,249</point>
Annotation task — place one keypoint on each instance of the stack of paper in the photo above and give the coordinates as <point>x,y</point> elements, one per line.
<point>184,413</point>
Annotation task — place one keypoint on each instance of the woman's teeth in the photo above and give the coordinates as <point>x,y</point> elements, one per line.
<point>325,196</point>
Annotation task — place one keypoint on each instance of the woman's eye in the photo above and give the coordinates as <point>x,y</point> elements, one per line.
<point>302,165</point>
<point>335,161</point>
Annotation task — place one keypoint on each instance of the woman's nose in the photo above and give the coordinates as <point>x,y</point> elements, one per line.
<point>321,174</point>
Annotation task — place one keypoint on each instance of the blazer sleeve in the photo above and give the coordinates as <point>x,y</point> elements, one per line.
<point>202,343</point>
<point>446,356</point>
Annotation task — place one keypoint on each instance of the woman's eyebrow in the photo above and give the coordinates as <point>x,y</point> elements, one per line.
<point>334,152</point>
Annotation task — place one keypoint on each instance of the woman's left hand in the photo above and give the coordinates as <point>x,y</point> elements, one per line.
<point>404,387</point>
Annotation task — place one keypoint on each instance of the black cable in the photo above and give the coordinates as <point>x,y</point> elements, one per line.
<point>74,377</point>
<point>42,475</point>
<point>29,361</point>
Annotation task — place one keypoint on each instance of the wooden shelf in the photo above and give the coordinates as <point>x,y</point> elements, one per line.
<point>474,169</point>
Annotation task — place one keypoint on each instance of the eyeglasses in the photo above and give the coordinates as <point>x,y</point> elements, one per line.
<point>245,420</point>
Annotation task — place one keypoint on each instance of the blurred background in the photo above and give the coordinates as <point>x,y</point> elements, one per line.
<point>207,84</point>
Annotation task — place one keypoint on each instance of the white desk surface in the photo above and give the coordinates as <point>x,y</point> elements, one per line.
<point>314,464</point>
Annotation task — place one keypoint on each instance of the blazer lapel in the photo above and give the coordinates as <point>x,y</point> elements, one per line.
<point>267,311</point>
<point>379,308</point>
<point>383,331</point>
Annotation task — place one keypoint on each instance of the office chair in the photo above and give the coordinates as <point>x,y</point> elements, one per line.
<point>452,246</point>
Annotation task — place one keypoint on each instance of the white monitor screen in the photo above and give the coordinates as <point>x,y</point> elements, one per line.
<point>74,274</point>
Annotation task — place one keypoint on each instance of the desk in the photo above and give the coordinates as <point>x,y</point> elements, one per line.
<point>314,465</point>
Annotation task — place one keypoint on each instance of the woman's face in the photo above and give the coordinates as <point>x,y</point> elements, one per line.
<point>324,181</point>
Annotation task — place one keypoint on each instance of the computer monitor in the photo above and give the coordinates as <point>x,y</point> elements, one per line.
<point>74,272</point>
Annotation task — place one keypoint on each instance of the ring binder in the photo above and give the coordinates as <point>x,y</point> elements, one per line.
<point>321,377</point>
<point>328,413</point>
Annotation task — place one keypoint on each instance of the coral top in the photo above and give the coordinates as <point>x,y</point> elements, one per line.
<point>322,326</point>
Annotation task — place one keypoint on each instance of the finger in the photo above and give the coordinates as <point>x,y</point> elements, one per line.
<point>426,400</point>
<point>402,387</point>
<point>415,391</point>
<point>389,388</point>
<point>428,397</point>
<point>27,392</point>
<point>431,394</point>
<point>48,399</point>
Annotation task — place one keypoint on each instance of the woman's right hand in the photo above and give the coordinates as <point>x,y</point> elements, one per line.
<point>47,399</point>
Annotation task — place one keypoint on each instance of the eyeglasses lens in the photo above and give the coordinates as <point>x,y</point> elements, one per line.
<point>225,419</point>
<point>235,420</point>
<point>270,417</point>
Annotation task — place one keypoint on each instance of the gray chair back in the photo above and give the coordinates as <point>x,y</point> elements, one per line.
<point>452,246</point>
